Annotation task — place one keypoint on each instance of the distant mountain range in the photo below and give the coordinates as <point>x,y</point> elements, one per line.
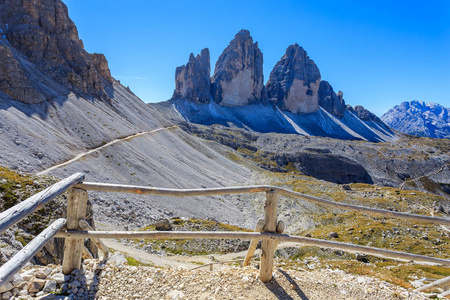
<point>294,100</point>
<point>419,118</point>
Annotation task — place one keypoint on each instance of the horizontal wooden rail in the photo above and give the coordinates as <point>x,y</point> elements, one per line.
<point>440,282</point>
<point>217,263</point>
<point>84,225</point>
<point>247,236</point>
<point>144,190</point>
<point>118,188</point>
<point>375,211</point>
<point>18,212</point>
<point>13,265</point>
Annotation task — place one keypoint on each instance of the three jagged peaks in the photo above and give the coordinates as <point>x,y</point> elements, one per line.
<point>294,84</point>
<point>295,99</point>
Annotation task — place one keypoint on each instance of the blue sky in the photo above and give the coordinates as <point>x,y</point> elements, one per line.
<point>379,53</point>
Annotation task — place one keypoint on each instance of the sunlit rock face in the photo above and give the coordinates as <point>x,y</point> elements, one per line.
<point>294,82</point>
<point>40,32</point>
<point>192,81</point>
<point>238,77</point>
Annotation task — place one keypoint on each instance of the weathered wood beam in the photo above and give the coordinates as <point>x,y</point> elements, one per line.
<point>375,211</point>
<point>216,263</point>
<point>18,212</point>
<point>19,260</point>
<point>118,188</point>
<point>249,236</point>
<point>84,225</point>
<point>440,282</point>
<point>73,246</point>
<point>131,189</point>
<point>254,243</point>
<point>268,247</point>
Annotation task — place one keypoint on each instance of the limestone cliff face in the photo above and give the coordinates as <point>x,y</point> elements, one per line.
<point>14,79</point>
<point>192,81</point>
<point>238,77</point>
<point>101,65</point>
<point>330,101</point>
<point>294,82</point>
<point>42,32</point>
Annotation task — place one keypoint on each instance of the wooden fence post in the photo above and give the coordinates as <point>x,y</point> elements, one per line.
<point>268,247</point>
<point>253,244</point>
<point>73,247</point>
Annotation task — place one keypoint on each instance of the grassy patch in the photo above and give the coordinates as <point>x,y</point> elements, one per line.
<point>132,261</point>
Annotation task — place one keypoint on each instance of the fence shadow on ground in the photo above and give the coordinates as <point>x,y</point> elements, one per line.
<point>279,292</point>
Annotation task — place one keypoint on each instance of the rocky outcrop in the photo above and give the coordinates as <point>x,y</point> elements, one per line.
<point>43,33</point>
<point>330,101</point>
<point>363,113</point>
<point>420,118</point>
<point>238,77</point>
<point>15,80</point>
<point>192,81</point>
<point>101,65</point>
<point>294,82</point>
<point>326,166</point>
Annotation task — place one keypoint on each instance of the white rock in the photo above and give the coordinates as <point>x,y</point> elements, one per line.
<point>50,286</point>
<point>58,277</point>
<point>27,275</point>
<point>7,286</point>
<point>7,295</point>
<point>176,294</point>
<point>48,270</point>
<point>17,279</point>
<point>40,274</point>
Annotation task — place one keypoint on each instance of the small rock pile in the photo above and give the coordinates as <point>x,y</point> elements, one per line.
<point>46,281</point>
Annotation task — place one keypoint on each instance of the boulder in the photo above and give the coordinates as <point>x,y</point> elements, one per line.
<point>238,76</point>
<point>192,81</point>
<point>163,225</point>
<point>5,287</point>
<point>36,285</point>
<point>294,82</point>
<point>330,101</point>
<point>50,286</point>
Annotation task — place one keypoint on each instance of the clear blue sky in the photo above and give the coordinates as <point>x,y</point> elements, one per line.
<point>379,53</point>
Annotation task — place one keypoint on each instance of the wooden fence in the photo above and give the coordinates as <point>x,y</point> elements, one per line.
<point>269,230</point>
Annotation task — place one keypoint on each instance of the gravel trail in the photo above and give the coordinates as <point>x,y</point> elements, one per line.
<point>79,156</point>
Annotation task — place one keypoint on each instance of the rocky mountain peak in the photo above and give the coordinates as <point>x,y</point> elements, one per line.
<point>363,113</point>
<point>330,101</point>
<point>243,34</point>
<point>419,118</point>
<point>294,82</point>
<point>192,81</point>
<point>42,33</point>
<point>238,76</point>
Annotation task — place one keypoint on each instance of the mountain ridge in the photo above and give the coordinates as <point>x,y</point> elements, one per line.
<point>419,118</point>
<point>295,99</point>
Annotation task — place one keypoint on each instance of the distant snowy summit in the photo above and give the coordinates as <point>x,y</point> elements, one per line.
<point>295,99</point>
<point>420,118</point>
